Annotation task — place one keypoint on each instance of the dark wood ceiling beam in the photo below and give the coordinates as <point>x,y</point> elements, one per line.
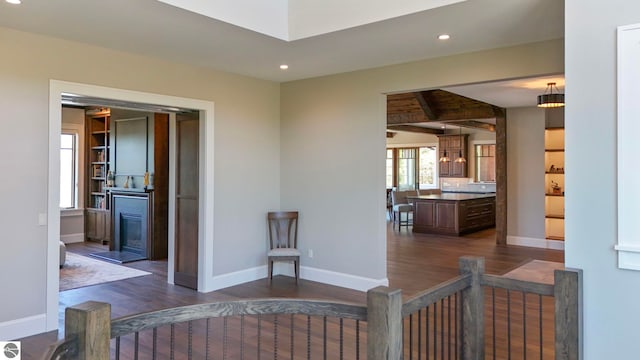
<point>425,105</point>
<point>473,124</point>
<point>406,118</point>
<point>412,128</point>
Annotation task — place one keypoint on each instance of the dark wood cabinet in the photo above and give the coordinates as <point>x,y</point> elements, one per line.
<point>97,225</point>
<point>453,145</point>
<point>453,214</point>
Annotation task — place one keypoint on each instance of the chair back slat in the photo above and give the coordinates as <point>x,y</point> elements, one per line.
<point>283,229</point>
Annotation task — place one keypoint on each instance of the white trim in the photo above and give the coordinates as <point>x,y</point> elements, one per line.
<point>205,237</point>
<point>628,111</point>
<point>628,248</point>
<point>629,260</point>
<point>340,279</point>
<point>72,238</point>
<point>26,326</point>
<point>354,282</point>
<point>238,277</point>
<point>535,242</point>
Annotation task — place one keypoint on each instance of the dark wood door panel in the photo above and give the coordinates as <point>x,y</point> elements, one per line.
<point>187,176</point>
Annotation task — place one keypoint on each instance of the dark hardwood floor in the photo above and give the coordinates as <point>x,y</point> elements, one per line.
<point>415,262</point>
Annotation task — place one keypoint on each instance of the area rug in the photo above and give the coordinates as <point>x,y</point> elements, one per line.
<point>79,271</point>
<point>536,270</point>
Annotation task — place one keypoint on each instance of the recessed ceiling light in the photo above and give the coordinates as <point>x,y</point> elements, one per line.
<point>444,37</point>
<point>284,67</point>
<point>15,2</point>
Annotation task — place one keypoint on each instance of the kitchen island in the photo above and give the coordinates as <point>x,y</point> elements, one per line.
<point>453,213</point>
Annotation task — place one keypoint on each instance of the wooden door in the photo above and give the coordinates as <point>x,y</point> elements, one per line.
<point>186,202</point>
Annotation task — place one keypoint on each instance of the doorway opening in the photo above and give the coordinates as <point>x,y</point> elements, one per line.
<point>58,90</point>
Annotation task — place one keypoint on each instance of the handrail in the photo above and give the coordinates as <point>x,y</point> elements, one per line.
<point>517,285</point>
<point>89,328</point>
<point>435,293</point>
<point>133,323</point>
<point>62,349</point>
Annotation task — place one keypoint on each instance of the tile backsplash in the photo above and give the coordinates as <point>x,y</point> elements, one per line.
<point>466,185</point>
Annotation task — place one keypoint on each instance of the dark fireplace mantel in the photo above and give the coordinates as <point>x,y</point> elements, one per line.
<point>132,216</point>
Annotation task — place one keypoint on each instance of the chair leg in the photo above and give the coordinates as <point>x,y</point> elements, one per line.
<point>296,264</point>
<point>270,271</point>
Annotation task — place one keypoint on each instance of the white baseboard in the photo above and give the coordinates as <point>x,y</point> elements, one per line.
<point>340,279</point>
<point>308,273</point>
<point>535,242</point>
<point>72,238</point>
<point>19,328</point>
<point>331,277</point>
<point>236,278</point>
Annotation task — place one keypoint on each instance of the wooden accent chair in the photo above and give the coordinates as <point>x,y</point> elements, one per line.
<point>283,239</point>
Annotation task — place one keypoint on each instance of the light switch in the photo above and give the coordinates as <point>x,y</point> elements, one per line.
<point>42,219</point>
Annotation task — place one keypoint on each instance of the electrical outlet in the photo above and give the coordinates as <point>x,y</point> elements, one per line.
<point>310,254</point>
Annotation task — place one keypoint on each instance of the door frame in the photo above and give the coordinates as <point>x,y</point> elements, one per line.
<point>206,181</point>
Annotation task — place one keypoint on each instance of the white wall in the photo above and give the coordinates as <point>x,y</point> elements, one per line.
<point>247,154</point>
<point>611,316</point>
<point>525,175</point>
<point>333,147</point>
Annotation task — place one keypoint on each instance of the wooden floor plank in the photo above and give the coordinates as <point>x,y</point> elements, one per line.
<point>415,262</point>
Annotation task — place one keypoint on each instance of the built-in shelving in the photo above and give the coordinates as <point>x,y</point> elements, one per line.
<point>554,183</point>
<point>97,224</point>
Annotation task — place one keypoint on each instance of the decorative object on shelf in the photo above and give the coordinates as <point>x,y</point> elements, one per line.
<point>126,183</point>
<point>110,179</point>
<point>460,158</point>
<point>550,99</point>
<point>445,157</point>
<point>555,188</point>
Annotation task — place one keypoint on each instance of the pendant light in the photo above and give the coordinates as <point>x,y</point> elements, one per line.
<point>460,158</point>
<point>550,99</point>
<point>445,157</point>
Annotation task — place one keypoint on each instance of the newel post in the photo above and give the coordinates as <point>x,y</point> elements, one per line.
<point>91,323</point>
<point>567,296</point>
<point>472,309</point>
<point>384,324</point>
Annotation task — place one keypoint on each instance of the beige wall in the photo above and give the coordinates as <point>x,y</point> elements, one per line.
<point>247,152</point>
<point>525,175</point>
<point>333,147</point>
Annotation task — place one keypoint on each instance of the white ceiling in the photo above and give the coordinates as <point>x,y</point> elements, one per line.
<point>294,19</point>
<point>511,93</point>
<point>152,28</point>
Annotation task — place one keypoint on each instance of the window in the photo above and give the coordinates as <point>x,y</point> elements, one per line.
<point>412,168</point>
<point>427,157</point>
<point>485,156</point>
<point>68,170</point>
<point>407,169</point>
<point>389,168</point>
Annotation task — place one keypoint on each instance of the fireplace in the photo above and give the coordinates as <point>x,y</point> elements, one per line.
<point>130,213</point>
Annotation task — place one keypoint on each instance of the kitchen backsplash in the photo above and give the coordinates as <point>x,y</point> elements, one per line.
<point>466,185</point>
